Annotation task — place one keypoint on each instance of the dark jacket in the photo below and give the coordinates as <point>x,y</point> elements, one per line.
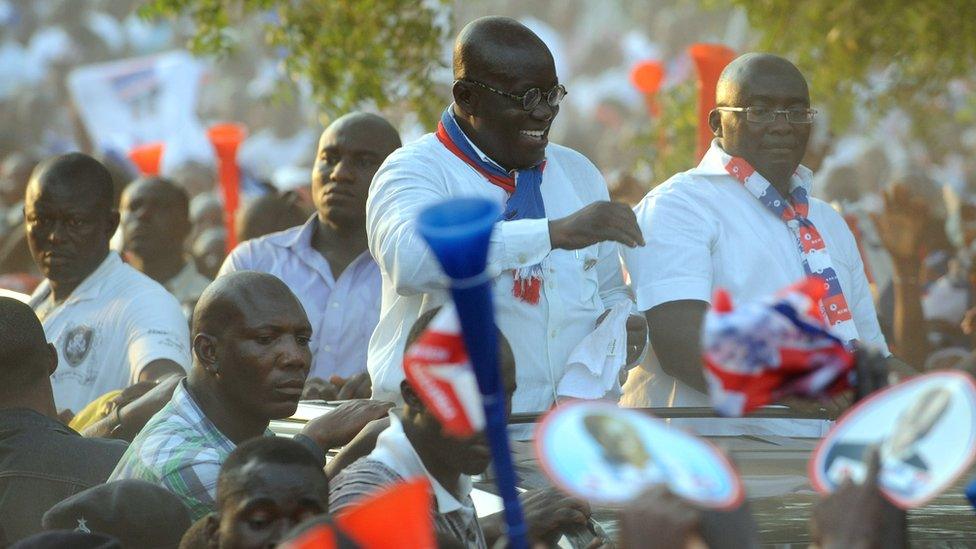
<point>42,462</point>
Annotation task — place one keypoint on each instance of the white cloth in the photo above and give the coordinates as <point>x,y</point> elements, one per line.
<point>577,285</point>
<point>342,312</point>
<point>112,325</point>
<point>394,450</point>
<point>593,368</point>
<point>14,295</point>
<point>705,231</point>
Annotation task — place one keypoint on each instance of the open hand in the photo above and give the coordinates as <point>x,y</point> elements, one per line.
<point>548,511</point>
<point>857,515</point>
<point>595,223</point>
<point>345,421</point>
<point>901,225</point>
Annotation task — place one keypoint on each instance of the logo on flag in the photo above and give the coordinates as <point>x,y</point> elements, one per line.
<point>438,369</point>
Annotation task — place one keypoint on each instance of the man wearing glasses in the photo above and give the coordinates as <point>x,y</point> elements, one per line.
<point>742,220</point>
<point>554,251</point>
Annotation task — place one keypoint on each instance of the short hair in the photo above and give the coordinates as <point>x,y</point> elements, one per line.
<point>81,169</point>
<point>175,192</point>
<point>23,347</point>
<point>268,214</point>
<point>276,450</point>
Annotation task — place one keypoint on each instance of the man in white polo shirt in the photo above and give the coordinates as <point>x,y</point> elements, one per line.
<point>554,252</point>
<point>726,224</point>
<point>325,262</point>
<point>112,325</point>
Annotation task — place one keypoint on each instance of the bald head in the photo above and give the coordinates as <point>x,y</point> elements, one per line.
<point>749,73</point>
<point>251,352</point>
<point>239,295</point>
<point>765,85</point>
<point>386,137</point>
<point>350,152</point>
<point>493,48</point>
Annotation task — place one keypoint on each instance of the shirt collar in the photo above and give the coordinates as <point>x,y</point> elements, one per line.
<point>301,243</point>
<point>301,240</point>
<point>394,450</point>
<point>711,165</point>
<point>187,407</point>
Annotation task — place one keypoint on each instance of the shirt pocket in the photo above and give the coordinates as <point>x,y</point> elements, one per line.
<point>585,270</point>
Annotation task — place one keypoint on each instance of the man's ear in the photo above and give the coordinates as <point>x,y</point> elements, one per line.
<point>212,531</point>
<point>715,122</point>
<point>465,98</point>
<point>53,359</point>
<point>205,349</point>
<point>410,397</point>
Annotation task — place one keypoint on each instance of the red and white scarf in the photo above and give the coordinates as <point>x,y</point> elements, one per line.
<point>813,250</point>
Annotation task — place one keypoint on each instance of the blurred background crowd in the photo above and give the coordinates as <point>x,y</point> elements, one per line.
<point>98,77</point>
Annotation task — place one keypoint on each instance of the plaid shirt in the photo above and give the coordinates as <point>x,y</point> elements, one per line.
<point>180,450</point>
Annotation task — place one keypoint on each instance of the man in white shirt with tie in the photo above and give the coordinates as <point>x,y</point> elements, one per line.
<point>325,262</point>
<point>743,221</point>
<point>553,254</point>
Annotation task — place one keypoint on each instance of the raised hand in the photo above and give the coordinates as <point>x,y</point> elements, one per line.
<point>901,225</point>
<point>857,515</point>
<point>594,223</point>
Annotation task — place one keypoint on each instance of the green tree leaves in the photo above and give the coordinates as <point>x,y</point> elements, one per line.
<point>351,51</point>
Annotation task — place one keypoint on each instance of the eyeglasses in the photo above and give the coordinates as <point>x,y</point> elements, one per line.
<point>765,115</point>
<point>531,98</point>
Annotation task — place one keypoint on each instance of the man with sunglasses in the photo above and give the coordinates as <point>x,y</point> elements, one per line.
<point>743,221</point>
<point>553,252</point>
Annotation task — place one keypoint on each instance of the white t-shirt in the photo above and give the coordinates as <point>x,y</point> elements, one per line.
<point>704,230</point>
<point>111,326</point>
<point>577,285</point>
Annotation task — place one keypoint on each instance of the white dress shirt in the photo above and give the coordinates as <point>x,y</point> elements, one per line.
<point>704,230</point>
<point>577,285</point>
<point>342,312</point>
<point>113,324</point>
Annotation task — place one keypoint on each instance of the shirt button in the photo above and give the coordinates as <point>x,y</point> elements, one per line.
<point>522,258</point>
<point>552,333</point>
<point>327,348</point>
<point>334,304</point>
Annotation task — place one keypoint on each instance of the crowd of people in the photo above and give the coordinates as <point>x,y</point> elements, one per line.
<point>141,364</point>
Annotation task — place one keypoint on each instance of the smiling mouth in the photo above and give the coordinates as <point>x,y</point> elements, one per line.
<point>534,134</point>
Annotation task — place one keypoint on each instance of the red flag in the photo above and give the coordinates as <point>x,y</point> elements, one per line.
<point>438,369</point>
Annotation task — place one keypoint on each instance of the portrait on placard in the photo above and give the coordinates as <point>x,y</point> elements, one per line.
<point>925,432</point>
<point>609,455</point>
